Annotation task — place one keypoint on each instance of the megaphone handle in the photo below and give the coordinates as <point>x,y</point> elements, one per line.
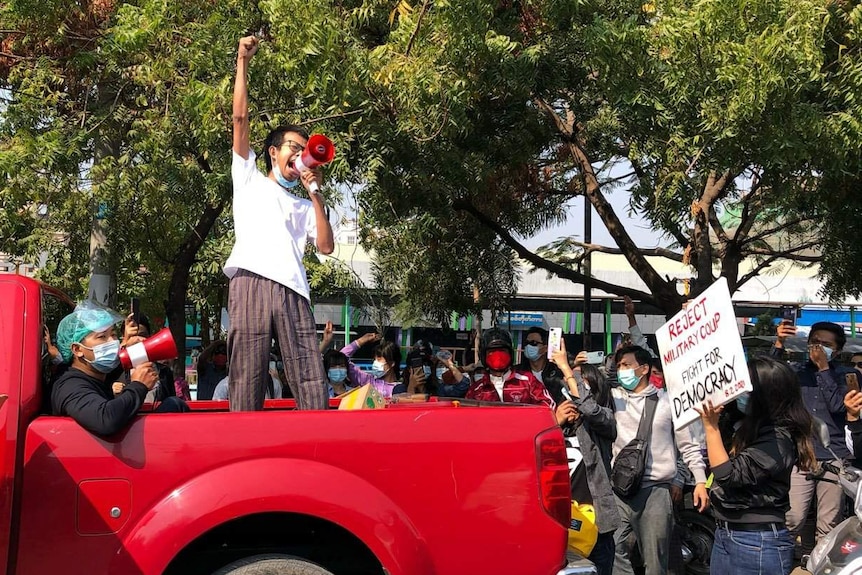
<point>313,188</point>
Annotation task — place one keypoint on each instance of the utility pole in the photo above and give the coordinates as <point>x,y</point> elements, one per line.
<point>588,268</point>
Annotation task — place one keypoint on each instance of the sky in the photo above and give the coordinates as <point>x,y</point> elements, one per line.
<point>640,230</point>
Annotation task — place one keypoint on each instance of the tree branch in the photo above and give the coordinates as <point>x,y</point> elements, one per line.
<point>649,252</point>
<point>786,255</point>
<point>661,289</point>
<point>418,25</point>
<point>773,231</point>
<point>540,262</point>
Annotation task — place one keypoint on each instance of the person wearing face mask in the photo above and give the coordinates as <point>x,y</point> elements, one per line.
<point>385,370</point>
<point>335,364</point>
<point>453,382</point>
<point>823,391</point>
<point>535,360</point>
<point>419,379</point>
<point>500,382</point>
<point>588,425</point>
<point>87,341</point>
<point>750,494</point>
<point>269,292</point>
<point>648,513</point>
<point>212,369</point>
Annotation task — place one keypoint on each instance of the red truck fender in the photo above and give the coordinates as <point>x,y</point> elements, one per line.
<point>273,485</point>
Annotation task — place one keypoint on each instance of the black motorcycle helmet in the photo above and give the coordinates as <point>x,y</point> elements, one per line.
<point>495,349</point>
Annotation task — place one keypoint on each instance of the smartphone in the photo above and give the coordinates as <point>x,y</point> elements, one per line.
<point>789,313</point>
<point>555,336</point>
<point>415,362</point>
<point>595,357</point>
<point>136,310</point>
<point>852,382</point>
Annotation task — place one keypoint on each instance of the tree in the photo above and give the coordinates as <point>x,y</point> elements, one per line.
<point>118,109</point>
<point>699,109</point>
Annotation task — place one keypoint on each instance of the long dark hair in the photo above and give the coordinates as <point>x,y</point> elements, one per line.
<point>390,351</point>
<point>777,400</point>
<point>597,383</point>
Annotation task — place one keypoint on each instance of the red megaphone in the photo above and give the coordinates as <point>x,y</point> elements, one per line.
<point>157,348</point>
<point>318,151</point>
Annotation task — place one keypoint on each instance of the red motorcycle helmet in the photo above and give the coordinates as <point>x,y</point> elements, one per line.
<point>495,349</point>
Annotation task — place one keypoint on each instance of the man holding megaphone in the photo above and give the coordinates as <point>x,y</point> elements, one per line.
<point>269,293</point>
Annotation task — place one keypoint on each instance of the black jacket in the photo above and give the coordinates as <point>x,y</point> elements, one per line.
<point>92,404</point>
<point>754,485</point>
<point>596,431</point>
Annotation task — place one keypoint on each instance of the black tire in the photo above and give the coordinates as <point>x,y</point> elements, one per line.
<point>272,564</point>
<point>698,534</point>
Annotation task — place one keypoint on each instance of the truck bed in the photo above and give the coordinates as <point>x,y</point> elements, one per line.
<point>424,488</point>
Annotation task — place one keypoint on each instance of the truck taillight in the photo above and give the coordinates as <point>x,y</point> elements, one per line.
<point>554,476</point>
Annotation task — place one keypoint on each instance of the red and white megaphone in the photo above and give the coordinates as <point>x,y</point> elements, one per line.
<point>318,151</point>
<point>156,348</point>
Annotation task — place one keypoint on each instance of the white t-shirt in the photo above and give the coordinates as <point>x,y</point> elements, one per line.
<point>272,227</point>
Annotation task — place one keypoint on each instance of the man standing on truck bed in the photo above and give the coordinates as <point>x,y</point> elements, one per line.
<point>86,338</point>
<point>268,286</point>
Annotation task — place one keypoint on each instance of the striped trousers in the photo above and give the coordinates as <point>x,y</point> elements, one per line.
<point>258,309</point>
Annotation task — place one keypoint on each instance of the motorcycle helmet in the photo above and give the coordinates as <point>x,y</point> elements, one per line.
<point>495,349</point>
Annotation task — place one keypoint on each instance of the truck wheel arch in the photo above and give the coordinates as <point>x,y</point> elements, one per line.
<point>272,485</point>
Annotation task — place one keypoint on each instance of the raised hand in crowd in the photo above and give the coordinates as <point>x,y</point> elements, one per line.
<point>785,329</point>
<point>561,358</point>
<point>853,404</point>
<point>131,331</point>
<point>327,337</point>
<point>372,337</point>
<point>416,384</point>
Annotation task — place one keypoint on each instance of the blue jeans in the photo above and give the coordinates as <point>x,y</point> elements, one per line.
<point>752,552</point>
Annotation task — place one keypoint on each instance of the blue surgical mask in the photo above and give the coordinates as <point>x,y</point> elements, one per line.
<point>742,402</point>
<point>439,372</point>
<point>628,379</point>
<point>378,369</point>
<point>337,374</point>
<point>106,356</point>
<point>282,181</point>
<point>426,369</point>
<point>531,351</point>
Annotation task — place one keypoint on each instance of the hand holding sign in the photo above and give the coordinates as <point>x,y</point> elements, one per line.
<point>702,355</point>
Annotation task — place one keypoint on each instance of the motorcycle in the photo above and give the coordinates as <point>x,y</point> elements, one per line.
<point>840,551</point>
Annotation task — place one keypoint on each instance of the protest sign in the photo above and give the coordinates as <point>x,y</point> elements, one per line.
<point>702,355</point>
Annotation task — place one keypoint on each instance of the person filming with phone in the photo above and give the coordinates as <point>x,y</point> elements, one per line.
<point>823,391</point>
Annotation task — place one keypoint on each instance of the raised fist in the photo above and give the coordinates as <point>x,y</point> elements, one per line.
<point>247,47</point>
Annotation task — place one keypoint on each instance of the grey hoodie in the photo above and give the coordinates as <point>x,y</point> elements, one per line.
<point>664,443</point>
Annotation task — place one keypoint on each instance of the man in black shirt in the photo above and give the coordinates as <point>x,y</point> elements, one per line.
<point>87,340</point>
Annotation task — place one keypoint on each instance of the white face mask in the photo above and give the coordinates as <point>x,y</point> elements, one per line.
<point>283,182</point>
<point>378,369</point>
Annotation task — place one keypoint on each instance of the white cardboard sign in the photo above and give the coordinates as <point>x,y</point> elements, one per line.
<point>702,355</point>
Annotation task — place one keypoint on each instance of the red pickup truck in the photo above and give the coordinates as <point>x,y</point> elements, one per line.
<point>436,488</point>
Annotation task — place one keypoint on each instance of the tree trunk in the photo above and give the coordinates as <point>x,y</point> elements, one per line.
<point>185,258</point>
